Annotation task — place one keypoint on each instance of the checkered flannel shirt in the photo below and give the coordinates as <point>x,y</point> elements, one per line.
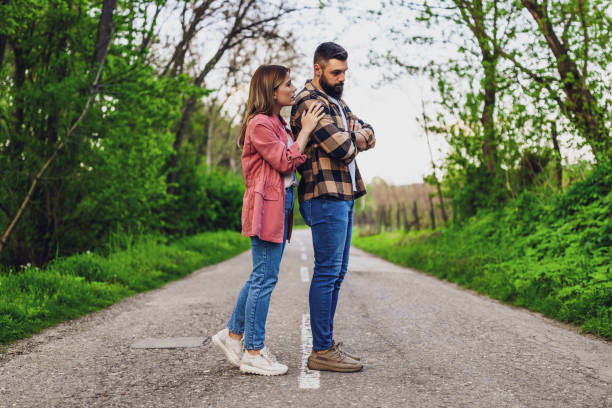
<point>326,171</point>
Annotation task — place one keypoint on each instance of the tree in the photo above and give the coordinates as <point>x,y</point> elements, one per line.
<point>101,49</point>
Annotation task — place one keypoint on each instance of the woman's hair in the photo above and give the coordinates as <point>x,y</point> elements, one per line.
<point>261,94</point>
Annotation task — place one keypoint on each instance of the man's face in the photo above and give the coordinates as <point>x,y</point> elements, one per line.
<point>332,77</point>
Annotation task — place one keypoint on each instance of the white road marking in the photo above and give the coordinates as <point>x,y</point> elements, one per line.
<point>304,273</point>
<point>308,379</point>
<point>304,257</point>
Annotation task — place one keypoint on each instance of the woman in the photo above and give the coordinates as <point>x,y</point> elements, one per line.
<point>269,158</point>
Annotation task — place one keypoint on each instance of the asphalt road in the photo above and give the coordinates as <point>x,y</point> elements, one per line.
<point>425,343</point>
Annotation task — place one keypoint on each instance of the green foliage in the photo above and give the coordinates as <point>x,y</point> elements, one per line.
<point>32,299</point>
<point>112,174</point>
<point>551,254</point>
<point>204,200</point>
<point>472,188</point>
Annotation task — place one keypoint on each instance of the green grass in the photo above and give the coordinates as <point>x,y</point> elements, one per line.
<point>32,299</point>
<point>550,254</point>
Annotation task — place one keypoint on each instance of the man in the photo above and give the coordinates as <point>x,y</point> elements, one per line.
<point>329,185</point>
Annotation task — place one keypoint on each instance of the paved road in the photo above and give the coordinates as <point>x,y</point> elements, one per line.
<point>426,343</point>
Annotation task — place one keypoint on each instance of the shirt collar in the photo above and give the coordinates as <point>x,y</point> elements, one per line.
<point>310,87</point>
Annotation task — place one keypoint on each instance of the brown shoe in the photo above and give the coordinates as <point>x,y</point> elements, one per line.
<point>340,347</point>
<point>333,360</point>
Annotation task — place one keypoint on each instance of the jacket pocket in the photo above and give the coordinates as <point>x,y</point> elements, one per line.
<point>267,191</point>
<point>271,193</point>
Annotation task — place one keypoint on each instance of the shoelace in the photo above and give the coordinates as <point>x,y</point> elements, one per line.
<point>267,354</point>
<point>340,354</point>
<point>338,347</point>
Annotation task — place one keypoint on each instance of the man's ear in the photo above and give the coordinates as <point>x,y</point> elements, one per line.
<point>318,70</point>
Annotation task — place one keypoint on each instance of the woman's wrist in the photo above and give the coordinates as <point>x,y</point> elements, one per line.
<point>307,130</point>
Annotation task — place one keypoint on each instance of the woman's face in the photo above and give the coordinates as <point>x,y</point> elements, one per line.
<point>284,95</point>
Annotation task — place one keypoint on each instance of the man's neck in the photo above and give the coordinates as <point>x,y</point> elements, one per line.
<point>317,84</point>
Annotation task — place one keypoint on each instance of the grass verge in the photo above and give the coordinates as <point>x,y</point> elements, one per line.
<point>32,299</point>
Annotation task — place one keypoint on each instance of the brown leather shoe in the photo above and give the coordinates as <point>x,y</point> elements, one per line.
<point>333,360</point>
<point>340,347</point>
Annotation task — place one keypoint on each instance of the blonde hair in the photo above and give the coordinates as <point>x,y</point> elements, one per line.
<point>261,94</point>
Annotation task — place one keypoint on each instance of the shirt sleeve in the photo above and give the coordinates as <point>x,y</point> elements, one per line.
<point>366,131</point>
<point>336,142</point>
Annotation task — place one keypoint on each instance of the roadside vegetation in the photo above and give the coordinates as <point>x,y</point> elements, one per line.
<point>548,253</point>
<point>32,299</point>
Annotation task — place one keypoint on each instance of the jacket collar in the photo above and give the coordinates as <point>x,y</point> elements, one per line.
<point>313,89</point>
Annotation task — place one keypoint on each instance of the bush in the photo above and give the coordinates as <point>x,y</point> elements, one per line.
<point>204,201</point>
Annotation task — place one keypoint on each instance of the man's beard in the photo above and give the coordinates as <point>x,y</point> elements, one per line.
<point>335,91</point>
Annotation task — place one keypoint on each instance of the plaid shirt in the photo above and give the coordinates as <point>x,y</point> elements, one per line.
<point>326,171</point>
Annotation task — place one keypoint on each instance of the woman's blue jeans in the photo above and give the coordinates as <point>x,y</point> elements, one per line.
<point>331,223</point>
<point>251,309</point>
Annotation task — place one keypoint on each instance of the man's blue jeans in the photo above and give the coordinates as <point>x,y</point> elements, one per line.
<point>331,223</point>
<point>251,309</point>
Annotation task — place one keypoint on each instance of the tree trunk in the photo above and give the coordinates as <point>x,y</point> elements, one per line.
<point>178,140</point>
<point>2,49</point>
<point>398,217</point>
<point>473,15</point>
<point>105,30</point>
<point>489,143</point>
<point>3,40</point>
<point>415,214</point>
<point>558,166</point>
<point>433,165</point>
<point>209,137</point>
<point>432,213</point>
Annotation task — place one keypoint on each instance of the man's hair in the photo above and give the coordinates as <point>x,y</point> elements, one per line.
<point>327,51</point>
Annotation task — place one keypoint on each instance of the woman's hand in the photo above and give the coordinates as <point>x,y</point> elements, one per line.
<point>311,116</point>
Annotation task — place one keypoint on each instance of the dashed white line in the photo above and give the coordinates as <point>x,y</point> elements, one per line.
<point>304,273</point>
<point>308,379</point>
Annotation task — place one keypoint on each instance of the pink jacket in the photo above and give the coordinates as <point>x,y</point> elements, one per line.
<point>265,160</point>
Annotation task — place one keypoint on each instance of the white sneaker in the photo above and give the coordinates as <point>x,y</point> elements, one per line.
<point>230,347</point>
<point>263,363</point>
